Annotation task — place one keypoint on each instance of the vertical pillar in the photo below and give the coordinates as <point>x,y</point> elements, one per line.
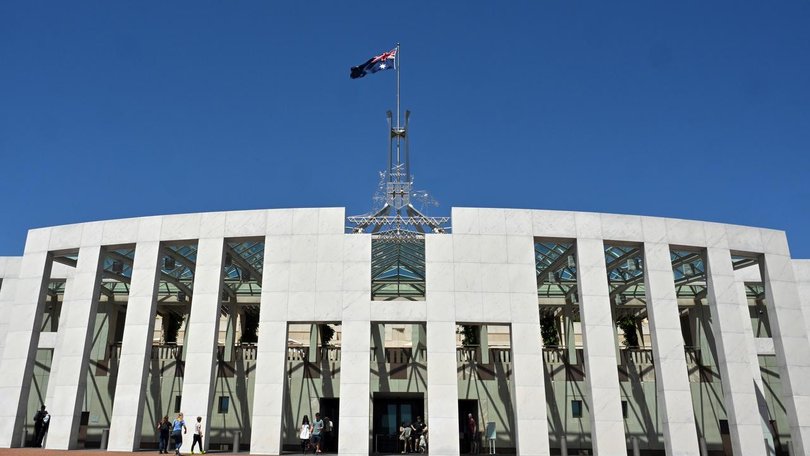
<point>442,386</point>
<point>730,333</point>
<point>9,269</point>
<point>136,349</point>
<point>271,353</point>
<point>313,343</point>
<point>354,388</point>
<point>203,331</point>
<point>529,392</point>
<point>753,364</point>
<point>68,377</point>
<point>671,374</point>
<point>570,337</point>
<point>230,332</point>
<point>791,343</point>
<point>22,339</point>
<point>599,336</point>
<point>417,342</point>
<point>483,343</point>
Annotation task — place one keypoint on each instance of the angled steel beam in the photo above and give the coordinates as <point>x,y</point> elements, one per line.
<point>66,261</point>
<point>242,263</point>
<point>180,258</point>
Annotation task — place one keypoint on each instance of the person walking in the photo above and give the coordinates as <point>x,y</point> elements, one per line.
<point>317,429</point>
<point>198,435</point>
<point>178,429</point>
<point>304,433</point>
<point>164,429</point>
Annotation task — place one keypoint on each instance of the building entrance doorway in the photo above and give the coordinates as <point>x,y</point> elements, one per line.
<point>469,442</point>
<point>330,408</point>
<point>391,410</point>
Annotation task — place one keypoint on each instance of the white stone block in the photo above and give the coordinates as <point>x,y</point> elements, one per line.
<point>357,248</point>
<point>554,224</point>
<point>469,307</point>
<point>331,220</point>
<point>492,221</point>
<point>279,222</point>
<point>589,225</point>
<point>330,248</point>
<point>65,237</point>
<point>685,233</point>
<point>622,227</point>
<point>440,306</point>
<point>744,238</point>
<point>245,224</point>
<point>38,240</point>
<point>465,220</point>
<point>518,222</point>
<point>305,221</point>
<point>493,249</point>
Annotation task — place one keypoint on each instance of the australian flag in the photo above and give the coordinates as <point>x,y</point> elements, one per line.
<point>384,61</point>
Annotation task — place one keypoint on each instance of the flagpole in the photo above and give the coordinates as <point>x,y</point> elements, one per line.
<point>397,63</point>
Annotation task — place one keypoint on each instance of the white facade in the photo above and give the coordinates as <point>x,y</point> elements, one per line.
<point>483,273</point>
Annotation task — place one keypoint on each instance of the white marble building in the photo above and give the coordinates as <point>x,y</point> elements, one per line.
<point>484,273</point>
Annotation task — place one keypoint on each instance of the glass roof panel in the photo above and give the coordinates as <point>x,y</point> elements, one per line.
<point>555,265</point>
<point>397,268</point>
<point>689,272</point>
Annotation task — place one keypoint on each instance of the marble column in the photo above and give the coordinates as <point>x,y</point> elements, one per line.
<point>68,377</point>
<point>271,378</point>
<point>599,337</point>
<point>671,374</point>
<point>730,333</point>
<point>442,386</point>
<point>271,350</point>
<point>203,331</point>
<point>136,349</point>
<point>528,384</point>
<point>22,339</point>
<point>9,268</point>
<point>353,438</point>
<point>790,339</point>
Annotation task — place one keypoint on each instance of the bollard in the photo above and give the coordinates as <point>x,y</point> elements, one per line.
<point>636,450</point>
<point>236,435</point>
<point>563,446</point>
<point>105,436</point>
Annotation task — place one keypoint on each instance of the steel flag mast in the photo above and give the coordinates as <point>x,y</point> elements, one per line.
<point>397,218</point>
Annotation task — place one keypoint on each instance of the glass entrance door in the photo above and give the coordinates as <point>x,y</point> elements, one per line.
<point>389,412</point>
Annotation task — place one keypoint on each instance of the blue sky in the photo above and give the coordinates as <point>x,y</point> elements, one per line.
<point>690,109</point>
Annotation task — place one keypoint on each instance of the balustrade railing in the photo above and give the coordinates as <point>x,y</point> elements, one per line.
<point>637,356</point>
<point>396,355</point>
<point>301,354</point>
<point>471,354</point>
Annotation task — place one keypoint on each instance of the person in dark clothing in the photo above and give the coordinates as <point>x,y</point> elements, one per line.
<point>416,432</point>
<point>40,426</point>
<point>164,430</point>
<point>470,433</point>
<point>326,442</point>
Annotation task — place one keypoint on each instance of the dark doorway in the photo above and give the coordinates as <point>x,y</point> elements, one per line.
<point>391,410</point>
<point>467,406</point>
<point>330,408</point>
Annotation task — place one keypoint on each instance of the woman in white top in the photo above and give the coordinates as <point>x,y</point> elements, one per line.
<point>198,435</point>
<point>304,433</point>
